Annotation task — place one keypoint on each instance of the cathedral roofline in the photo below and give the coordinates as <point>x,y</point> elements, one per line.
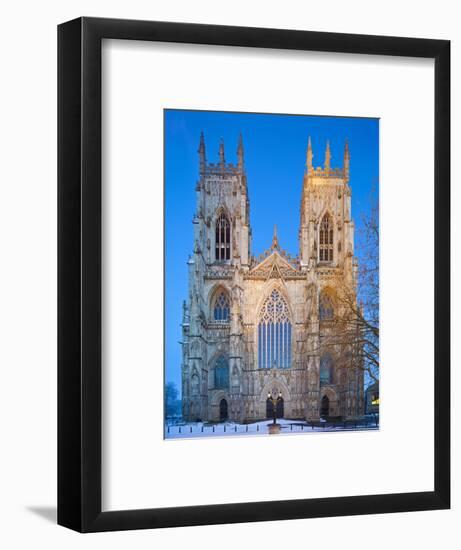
<point>277,264</point>
<point>326,171</point>
<point>283,254</point>
<point>275,248</point>
<point>212,169</point>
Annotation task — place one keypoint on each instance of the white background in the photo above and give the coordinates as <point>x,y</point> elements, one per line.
<point>28,277</point>
<point>140,79</point>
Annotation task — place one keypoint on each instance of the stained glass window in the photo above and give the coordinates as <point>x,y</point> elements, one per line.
<point>222,238</point>
<point>326,239</point>
<point>274,333</point>
<point>221,310</point>
<point>221,373</point>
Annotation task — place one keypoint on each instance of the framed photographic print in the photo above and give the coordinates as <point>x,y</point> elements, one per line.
<point>253,274</point>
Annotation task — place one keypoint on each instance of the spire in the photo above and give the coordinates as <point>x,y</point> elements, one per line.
<point>202,152</point>
<point>347,160</point>
<point>275,240</point>
<point>222,160</point>
<point>240,153</point>
<point>309,156</point>
<point>327,158</point>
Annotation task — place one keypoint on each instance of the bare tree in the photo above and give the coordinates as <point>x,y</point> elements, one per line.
<point>351,336</point>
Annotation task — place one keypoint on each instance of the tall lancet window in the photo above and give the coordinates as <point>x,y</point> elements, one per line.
<point>326,369</point>
<point>222,238</point>
<point>221,309</point>
<point>326,239</point>
<point>274,333</point>
<point>326,308</point>
<point>221,373</point>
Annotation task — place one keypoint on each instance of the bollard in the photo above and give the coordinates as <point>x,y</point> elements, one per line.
<point>291,427</point>
<point>191,429</point>
<point>202,429</point>
<point>224,428</point>
<point>247,428</point>
<point>302,427</point>
<point>257,427</point>
<point>168,429</point>
<point>213,429</point>
<point>235,428</point>
<point>179,429</point>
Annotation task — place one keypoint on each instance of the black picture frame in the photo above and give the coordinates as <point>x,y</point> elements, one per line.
<point>79,274</point>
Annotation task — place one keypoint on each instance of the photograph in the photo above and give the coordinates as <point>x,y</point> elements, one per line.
<point>271,248</point>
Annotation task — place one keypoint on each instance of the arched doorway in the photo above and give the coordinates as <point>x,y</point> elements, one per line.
<point>223,414</point>
<point>270,408</point>
<point>325,407</point>
<point>280,408</point>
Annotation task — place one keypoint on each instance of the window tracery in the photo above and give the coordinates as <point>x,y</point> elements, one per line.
<point>326,239</point>
<point>221,309</point>
<point>222,238</point>
<point>274,333</point>
<point>221,373</point>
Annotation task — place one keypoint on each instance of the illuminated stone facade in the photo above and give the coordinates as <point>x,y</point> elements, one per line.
<point>253,325</point>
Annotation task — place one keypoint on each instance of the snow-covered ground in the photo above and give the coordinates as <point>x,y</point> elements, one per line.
<point>202,429</point>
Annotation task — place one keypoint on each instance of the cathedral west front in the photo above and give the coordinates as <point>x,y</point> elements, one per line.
<point>254,326</point>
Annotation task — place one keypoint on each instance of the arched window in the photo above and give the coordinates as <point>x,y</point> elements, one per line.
<point>326,239</point>
<point>326,309</point>
<point>221,307</point>
<point>274,333</point>
<point>195,385</point>
<point>222,238</point>
<point>326,369</point>
<point>221,373</point>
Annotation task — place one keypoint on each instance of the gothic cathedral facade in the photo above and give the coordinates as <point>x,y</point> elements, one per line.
<point>254,325</point>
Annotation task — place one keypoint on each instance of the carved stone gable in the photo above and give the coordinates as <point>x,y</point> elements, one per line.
<point>274,267</point>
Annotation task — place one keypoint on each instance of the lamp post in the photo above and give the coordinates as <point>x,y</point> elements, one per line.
<point>375,403</point>
<point>275,401</point>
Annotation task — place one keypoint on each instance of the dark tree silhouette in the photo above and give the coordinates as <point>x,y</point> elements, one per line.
<point>172,402</point>
<point>352,335</point>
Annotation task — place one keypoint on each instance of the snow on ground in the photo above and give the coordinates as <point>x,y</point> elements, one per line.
<point>203,429</point>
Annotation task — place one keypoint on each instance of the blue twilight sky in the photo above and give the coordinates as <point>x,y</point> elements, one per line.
<point>275,155</point>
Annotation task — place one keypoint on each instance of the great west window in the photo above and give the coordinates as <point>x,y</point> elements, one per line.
<point>274,333</point>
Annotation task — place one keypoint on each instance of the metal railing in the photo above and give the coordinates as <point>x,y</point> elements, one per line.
<point>197,429</point>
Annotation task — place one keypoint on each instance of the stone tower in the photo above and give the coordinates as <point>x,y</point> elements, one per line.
<point>259,325</point>
<point>326,255</point>
<point>326,195</point>
<point>222,240</point>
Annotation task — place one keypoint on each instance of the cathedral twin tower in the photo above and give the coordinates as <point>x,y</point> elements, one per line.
<point>256,325</point>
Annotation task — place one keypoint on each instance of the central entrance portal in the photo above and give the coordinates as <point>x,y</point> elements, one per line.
<point>270,408</point>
